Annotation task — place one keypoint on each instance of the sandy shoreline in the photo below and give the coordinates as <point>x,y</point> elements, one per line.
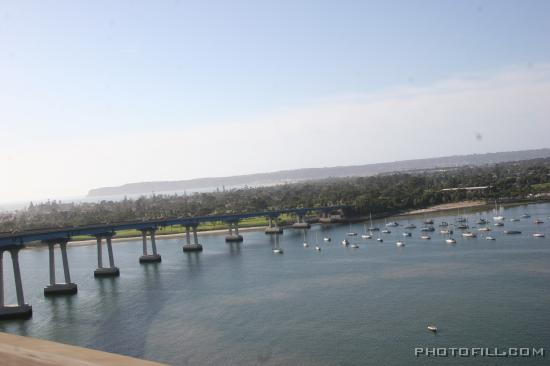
<point>446,207</point>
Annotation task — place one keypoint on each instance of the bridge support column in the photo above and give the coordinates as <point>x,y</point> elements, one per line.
<point>55,288</point>
<point>273,229</point>
<point>101,271</point>
<point>21,310</point>
<point>195,246</point>
<point>301,222</point>
<point>149,258</point>
<point>325,218</point>
<point>233,238</point>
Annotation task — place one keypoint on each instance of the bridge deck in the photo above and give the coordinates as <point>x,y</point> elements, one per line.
<point>20,238</point>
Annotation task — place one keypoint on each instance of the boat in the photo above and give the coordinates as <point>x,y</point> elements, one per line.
<point>410,226</point>
<point>400,243</point>
<point>372,228</point>
<point>482,221</point>
<point>366,236</point>
<point>538,235</point>
<point>277,249</point>
<point>525,216</point>
<point>354,246</point>
<point>386,231</point>
<point>432,328</point>
<point>469,234</point>
<point>351,233</point>
<point>450,241</point>
<point>484,228</point>
<point>380,240</point>
<point>443,224</point>
<point>425,237</point>
<point>305,241</point>
<point>537,221</point>
<point>499,223</point>
<point>327,239</point>
<point>446,231</point>
<point>392,224</point>
<point>429,222</point>
<point>497,210</point>
<point>512,232</point>
<point>463,227</point>
<point>489,238</point>
<point>428,228</point>
<point>345,242</point>
<point>317,248</point>
<point>406,234</point>
<point>306,245</point>
<point>513,219</point>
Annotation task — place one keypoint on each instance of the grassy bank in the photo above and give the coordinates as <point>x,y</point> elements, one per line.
<point>207,226</point>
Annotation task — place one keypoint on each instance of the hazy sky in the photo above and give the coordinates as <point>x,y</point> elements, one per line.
<point>99,93</point>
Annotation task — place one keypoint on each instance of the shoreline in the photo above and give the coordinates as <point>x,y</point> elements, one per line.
<point>446,207</point>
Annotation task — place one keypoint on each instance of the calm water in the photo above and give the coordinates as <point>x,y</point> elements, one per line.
<point>243,305</point>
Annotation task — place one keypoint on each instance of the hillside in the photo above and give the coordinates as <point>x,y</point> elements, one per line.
<point>297,175</point>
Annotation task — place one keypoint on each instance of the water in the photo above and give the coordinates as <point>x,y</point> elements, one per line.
<point>243,305</point>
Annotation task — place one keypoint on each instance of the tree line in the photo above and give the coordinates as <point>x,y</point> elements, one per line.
<point>380,194</point>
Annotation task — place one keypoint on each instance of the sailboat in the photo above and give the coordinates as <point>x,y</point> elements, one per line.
<point>365,235</point>
<point>497,211</point>
<point>305,242</point>
<point>351,233</point>
<point>317,247</point>
<point>277,249</point>
<point>372,228</point>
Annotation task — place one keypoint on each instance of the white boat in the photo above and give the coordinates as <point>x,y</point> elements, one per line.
<point>538,235</point>
<point>513,219</point>
<point>278,251</point>
<point>306,245</point>
<point>497,210</point>
<point>450,241</point>
<point>489,238</point>
<point>380,240</point>
<point>406,234</point>
<point>366,236</point>
<point>386,231</point>
<point>469,234</point>
<point>317,248</point>
<point>446,232</point>
<point>537,221</point>
<point>392,224</point>
<point>526,216</point>
<point>485,228</point>
<point>425,237</point>
<point>345,242</point>
<point>327,239</point>
<point>354,246</point>
<point>351,233</point>
<point>432,328</point>
<point>400,243</point>
<point>499,223</point>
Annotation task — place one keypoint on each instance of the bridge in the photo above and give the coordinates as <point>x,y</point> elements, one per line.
<point>14,242</point>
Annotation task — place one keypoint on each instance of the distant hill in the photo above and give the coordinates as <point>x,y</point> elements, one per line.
<point>289,176</point>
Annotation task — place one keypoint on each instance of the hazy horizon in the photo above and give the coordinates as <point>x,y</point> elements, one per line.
<point>96,94</point>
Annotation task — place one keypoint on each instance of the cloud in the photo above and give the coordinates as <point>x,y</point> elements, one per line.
<point>509,108</point>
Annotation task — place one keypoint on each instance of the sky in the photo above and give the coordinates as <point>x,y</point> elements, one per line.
<point>102,93</point>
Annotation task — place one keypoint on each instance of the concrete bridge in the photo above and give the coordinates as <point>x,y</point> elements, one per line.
<point>14,242</point>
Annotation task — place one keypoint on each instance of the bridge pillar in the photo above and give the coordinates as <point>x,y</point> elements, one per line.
<point>234,238</point>
<point>149,258</point>
<point>273,229</point>
<point>301,222</point>
<point>55,288</point>
<point>21,310</point>
<point>325,218</point>
<point>101,271</point>
<point>195,246</point>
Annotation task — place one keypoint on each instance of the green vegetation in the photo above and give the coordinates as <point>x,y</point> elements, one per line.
<point>381,194</point>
